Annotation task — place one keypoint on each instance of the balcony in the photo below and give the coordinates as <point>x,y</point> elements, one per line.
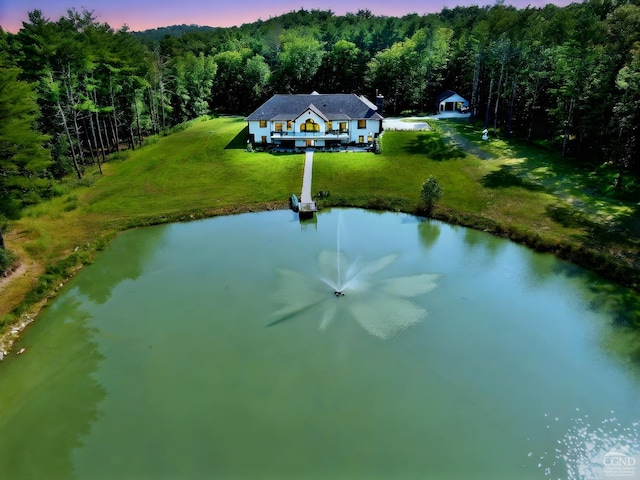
<point>330,135</point>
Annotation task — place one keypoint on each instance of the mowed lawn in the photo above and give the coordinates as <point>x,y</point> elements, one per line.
<point>407,161</point>
<point>398,173</point>
<point>199,168</point>
<point>204,169</point>
<point>569,201</point>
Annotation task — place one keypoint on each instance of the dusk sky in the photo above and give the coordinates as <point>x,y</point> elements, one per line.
<point>144,14</point>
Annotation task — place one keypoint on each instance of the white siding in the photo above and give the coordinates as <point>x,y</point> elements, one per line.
<point>372,127</point>
<point>258,133</point>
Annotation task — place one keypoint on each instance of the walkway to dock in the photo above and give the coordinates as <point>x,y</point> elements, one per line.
<point>306,202</point>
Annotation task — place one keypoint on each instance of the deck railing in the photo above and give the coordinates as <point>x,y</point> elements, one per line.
<point>330,133</point>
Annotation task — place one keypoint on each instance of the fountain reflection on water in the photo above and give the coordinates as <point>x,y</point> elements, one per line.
<point>380,304</point>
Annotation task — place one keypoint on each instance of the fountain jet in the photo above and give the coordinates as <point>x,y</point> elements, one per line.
<point>380,304</point>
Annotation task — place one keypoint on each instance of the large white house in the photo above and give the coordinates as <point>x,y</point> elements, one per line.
<point>315,120</point>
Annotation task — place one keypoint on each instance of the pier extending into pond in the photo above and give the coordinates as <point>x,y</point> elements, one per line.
<point>307,205</point>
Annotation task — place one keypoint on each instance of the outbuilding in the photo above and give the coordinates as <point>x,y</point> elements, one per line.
<point>450,101</point>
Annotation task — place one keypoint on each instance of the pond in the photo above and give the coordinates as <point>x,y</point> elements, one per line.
<point>361,345</point>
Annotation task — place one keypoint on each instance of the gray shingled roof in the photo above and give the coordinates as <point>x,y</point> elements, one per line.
<point>332,106</point>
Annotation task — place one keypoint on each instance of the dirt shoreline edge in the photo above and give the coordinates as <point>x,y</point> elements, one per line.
<point>13,332</point>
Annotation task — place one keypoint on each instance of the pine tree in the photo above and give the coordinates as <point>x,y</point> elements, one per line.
<point>23,158</point>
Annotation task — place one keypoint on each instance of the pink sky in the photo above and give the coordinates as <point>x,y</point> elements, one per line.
<point>144,14</point>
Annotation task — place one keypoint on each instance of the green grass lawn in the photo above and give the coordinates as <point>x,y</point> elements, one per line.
<point>193,170</point>
<point>582,198</point>
<point>515,190</point>
<point>397,174</point>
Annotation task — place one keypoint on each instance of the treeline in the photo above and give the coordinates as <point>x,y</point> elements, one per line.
<point>74,90</point>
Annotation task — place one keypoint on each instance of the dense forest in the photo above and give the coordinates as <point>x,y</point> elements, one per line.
<point>74,91</point>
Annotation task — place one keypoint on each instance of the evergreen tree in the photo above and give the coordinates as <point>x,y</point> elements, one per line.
<point>24,159</point>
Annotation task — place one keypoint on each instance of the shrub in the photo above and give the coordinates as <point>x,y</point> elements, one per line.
<point>70,205</point>
<point>430,193</point>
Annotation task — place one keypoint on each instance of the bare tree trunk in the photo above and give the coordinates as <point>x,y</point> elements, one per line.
<point>66,129</point>
<point>77,132</point>
<point>162,112</point>
<point>95,102</point>
<point>109,137</point>
<point>135,102</point>
<point>495,113</point>
<point>160,89</point>
<point>531,114</point>
<point>153,112</point>
<point>622,160</point>
<point>475,98</point>
<point>101,144</point>
<point>70,96</point>
<point>511,103</point>
<point>102,147</point>
<point>114,116</point>
<point>568,122</point>
<point>94,145</point>
<point>486,117</point>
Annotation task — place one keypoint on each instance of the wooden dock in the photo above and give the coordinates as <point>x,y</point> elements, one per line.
<point>307,205</point>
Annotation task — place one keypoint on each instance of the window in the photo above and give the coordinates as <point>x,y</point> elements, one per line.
<point>278,127</point>
<point>329,126</point>
<point>361,139</point>
<point>310,126</point>
<point>369,139</point>
<point>289,124</point>
<point>264,139</point>
<point>263,124</point>
<point>362,124</point>
<point>343,126</point>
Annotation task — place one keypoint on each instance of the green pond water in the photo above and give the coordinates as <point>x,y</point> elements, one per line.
<point>218,350</point>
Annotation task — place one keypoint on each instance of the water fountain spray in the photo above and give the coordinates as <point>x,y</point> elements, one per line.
<point>381,304</point>
<point>339,290</point>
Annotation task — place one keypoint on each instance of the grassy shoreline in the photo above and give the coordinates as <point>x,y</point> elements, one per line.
<point>611,267</point>
<point>202,170</point>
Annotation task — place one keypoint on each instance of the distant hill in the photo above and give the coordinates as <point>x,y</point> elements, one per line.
<point>157,34</point>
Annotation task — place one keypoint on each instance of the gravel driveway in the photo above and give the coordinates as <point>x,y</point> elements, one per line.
<point>414,123</point>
